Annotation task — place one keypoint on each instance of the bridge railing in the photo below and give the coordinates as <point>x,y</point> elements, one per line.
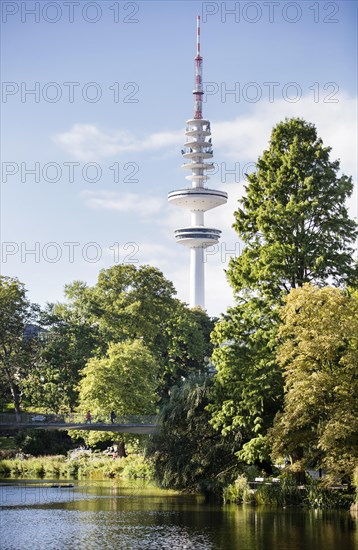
<point>73,418</point>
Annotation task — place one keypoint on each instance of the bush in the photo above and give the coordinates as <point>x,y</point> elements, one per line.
<point>320,496</point>
<point>73,468</point>
<point>271,494</point>
<point>82,466</point>
<point>135,466</point>
<point>5,469</point>
<point>42,443</point>
<point>238,492</point>
<point>288,493</point>
<point>40,467</point>
<point>355,482</point>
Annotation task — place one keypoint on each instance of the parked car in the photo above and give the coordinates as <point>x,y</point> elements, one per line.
<point>38,418</point>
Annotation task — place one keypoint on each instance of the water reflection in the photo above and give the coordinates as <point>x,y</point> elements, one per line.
<point>135,516</point>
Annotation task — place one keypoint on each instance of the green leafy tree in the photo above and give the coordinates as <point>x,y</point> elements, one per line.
<point>295,226</point>
<point>129,302</point>
<point>16,348</point>
<point>66,344</point>
<point>248,383</point>
<point>294,219</point>
<point>125,303</point>
<point>187,453</point>
<point>184,346</point>
<point>125,381</point>
<point>319,355</point>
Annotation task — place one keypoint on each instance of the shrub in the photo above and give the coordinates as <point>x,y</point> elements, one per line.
<point>355,482</point>
<point>73,468</point>
<point>238,492</point>
<point>320,496</point>
<point>5,469</point>
<point>136,466</point>
<point>39,442</point>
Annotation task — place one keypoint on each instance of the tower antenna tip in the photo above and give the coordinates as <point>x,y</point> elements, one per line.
<point>198,35</point>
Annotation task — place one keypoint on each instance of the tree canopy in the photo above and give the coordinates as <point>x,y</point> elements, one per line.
<point>66,344</point>
<point>16,347</point>
<point>188,453</point>
<point>294,219</point>
<point>125,304</point>
<point>125,380</point>
<point>128,303</point>
<point>294,223</point>
<point>319,355</point>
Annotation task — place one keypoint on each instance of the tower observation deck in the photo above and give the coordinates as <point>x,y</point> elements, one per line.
<point>198,198</point>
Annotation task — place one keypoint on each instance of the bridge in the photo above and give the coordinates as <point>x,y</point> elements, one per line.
<point>135,424</point>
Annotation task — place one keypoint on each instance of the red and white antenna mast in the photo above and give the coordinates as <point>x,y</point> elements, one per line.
<point>198,92</point>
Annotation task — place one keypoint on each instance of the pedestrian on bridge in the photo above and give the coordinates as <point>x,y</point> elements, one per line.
<point>88,417</point>
<point>113,416</point>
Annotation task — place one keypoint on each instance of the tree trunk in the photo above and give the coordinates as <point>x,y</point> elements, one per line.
<point>16,400</point>
<point>14,392</point>
<point>121,449</point>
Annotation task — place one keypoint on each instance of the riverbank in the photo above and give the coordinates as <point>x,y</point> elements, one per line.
<point>79,465</point>
<point>84,464</point>
<point>285,492</point>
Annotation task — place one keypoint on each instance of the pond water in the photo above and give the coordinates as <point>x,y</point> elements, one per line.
<point>132,515</point>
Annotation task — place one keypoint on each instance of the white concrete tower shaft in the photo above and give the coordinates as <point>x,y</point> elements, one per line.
<point>197,278</point>
<point>197,198</point>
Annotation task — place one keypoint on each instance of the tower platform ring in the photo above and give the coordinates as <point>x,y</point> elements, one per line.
<point>203,144</point>
<point>197,236</point>
<point>197,199</point>
<point>200,132</point>
<point>198,166</point>
<point>197,177</point>
<point>201,154</point>
<point>197,121</point>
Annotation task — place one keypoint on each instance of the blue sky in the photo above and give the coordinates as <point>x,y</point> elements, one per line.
<point>113,87</point>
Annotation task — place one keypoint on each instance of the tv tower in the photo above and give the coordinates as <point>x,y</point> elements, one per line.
<point>197,198</point>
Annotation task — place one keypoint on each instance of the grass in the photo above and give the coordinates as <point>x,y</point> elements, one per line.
<point>7,443</point>
<point>94,466</point>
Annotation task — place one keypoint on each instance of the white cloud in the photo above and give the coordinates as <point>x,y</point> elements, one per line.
<point>124,202</point>
<point>244,138</point>
<point>86,142</point>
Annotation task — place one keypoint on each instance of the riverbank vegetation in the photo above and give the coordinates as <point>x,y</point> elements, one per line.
<point>80,465</point>
<point>286,491</point>
<point>267,391</point>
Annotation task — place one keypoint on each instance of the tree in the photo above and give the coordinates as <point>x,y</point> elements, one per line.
<point>184,346</point>
<point>129,302</point>
<point>295,227</point>
<point>187,453</point>
<point>16,348</point>
<point>319,355</point>
<point>248,383</point>
<point>125,381</point>
<point>125,303</point>
<point>294,219</point>
<point>65,346</point>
